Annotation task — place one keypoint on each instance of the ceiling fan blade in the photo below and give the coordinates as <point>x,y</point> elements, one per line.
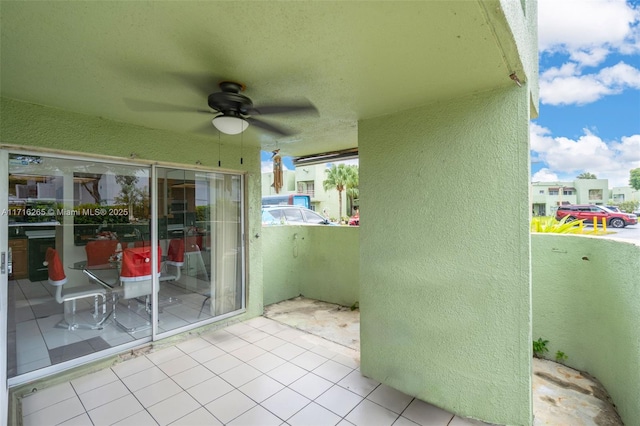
<point>296,107</point>
<point>279,130</point>
<point>202,83</point>
<point>151,106</point>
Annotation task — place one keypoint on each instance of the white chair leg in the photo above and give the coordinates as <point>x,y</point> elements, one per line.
<point>95,307</point>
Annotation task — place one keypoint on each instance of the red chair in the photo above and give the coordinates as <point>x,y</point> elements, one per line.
<point>136,278</point>
<point>58,279</point>
<point>175,260</point>
<point>99,252</point>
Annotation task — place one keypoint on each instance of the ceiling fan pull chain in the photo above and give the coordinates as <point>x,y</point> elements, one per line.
<point>219,162</point>
<point>241,147</point>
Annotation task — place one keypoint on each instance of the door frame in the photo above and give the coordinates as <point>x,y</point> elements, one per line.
<point>18,380</point>
<point>4,281</point>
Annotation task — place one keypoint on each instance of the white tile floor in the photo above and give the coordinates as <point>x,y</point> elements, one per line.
<point>37,315</point>
<point>259,372</point>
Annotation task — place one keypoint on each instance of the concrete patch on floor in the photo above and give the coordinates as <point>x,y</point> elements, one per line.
<point>564,396</point>
<point>335,323</point>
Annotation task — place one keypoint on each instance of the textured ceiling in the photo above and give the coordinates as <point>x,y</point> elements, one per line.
<point>353,60</point>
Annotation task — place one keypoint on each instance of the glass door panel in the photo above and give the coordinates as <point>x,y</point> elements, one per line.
<point>200,236</point>
<point>69,224</point>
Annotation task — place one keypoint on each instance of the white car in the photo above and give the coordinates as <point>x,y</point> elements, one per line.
<point>292,215</point>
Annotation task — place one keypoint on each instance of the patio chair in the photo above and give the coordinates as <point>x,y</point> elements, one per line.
<point>99,252</point>
<point>136,282</point>
<point>171,269</point>
<point>58,279</point>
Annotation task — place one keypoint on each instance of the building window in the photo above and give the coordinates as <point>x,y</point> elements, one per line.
<point>567,192</point>
<point>306,187</point>
<point>542,191</point>
<point>595,194</point>
<point>553,192</point>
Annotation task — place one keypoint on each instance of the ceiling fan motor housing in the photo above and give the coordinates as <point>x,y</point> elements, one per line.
<point>229,100</point>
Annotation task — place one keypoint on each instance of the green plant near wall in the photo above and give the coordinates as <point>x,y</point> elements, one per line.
<point>540,347</point>
<point>561,356</point>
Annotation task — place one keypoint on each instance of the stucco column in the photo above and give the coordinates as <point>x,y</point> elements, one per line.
<point>445,292</point>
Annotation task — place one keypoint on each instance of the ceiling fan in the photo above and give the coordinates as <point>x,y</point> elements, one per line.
<point>234,112</point>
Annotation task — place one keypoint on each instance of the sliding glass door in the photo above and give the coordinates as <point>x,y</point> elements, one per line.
<point>200,235</point>
<point>86,276</point>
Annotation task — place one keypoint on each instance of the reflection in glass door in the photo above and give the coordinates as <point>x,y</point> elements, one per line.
<point>82,265</point>
<point>200,237</point>
<point>69,224</point>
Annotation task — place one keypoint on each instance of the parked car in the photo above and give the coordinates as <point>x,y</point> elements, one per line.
<point>292,215</point>
<point>589,211</point>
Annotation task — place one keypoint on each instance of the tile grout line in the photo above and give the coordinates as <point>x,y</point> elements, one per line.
<point>305,350</point>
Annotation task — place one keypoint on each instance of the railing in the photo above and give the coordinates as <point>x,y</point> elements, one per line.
<point>310,192</point>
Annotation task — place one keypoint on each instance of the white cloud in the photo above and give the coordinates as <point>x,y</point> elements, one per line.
<point>266,166</point>
<point>565,85</point>
<point>629,148</point>
<point>589,58</point>
<point>588,153</point>
<point>587,30</point>
<point>544,175</point>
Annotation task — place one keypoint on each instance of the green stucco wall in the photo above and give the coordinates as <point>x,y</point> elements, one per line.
<point>445,296</point>
<point>319,262</point>
<point>586,302</point>
<point>35,126</point>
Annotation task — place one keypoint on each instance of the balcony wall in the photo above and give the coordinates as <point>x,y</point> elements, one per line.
<point>586,302</point>
<point>319,262</point>
<point>588,308</point>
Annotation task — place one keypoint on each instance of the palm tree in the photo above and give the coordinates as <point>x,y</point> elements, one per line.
<point>336,179</point>
<point>586,175</point>
<point>352,186</point>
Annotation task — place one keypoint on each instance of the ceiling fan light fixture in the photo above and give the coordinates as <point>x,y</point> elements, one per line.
<point>230,125</point>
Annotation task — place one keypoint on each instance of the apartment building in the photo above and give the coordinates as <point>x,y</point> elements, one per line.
<point>547,196</point>
<point>620,194</point>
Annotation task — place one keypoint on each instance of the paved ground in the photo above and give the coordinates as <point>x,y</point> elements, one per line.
<point>629,233</point>
<point>561,396</point>
<point>564,396</point>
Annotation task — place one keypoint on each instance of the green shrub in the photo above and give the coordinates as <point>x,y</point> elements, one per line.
<point>551,225</point>
<point>561,356</point>
<point>628,206</point>
<point>540,347</point>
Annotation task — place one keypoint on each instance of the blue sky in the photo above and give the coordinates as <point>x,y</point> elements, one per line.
<point>589,117</point>
<point>589,113</point>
